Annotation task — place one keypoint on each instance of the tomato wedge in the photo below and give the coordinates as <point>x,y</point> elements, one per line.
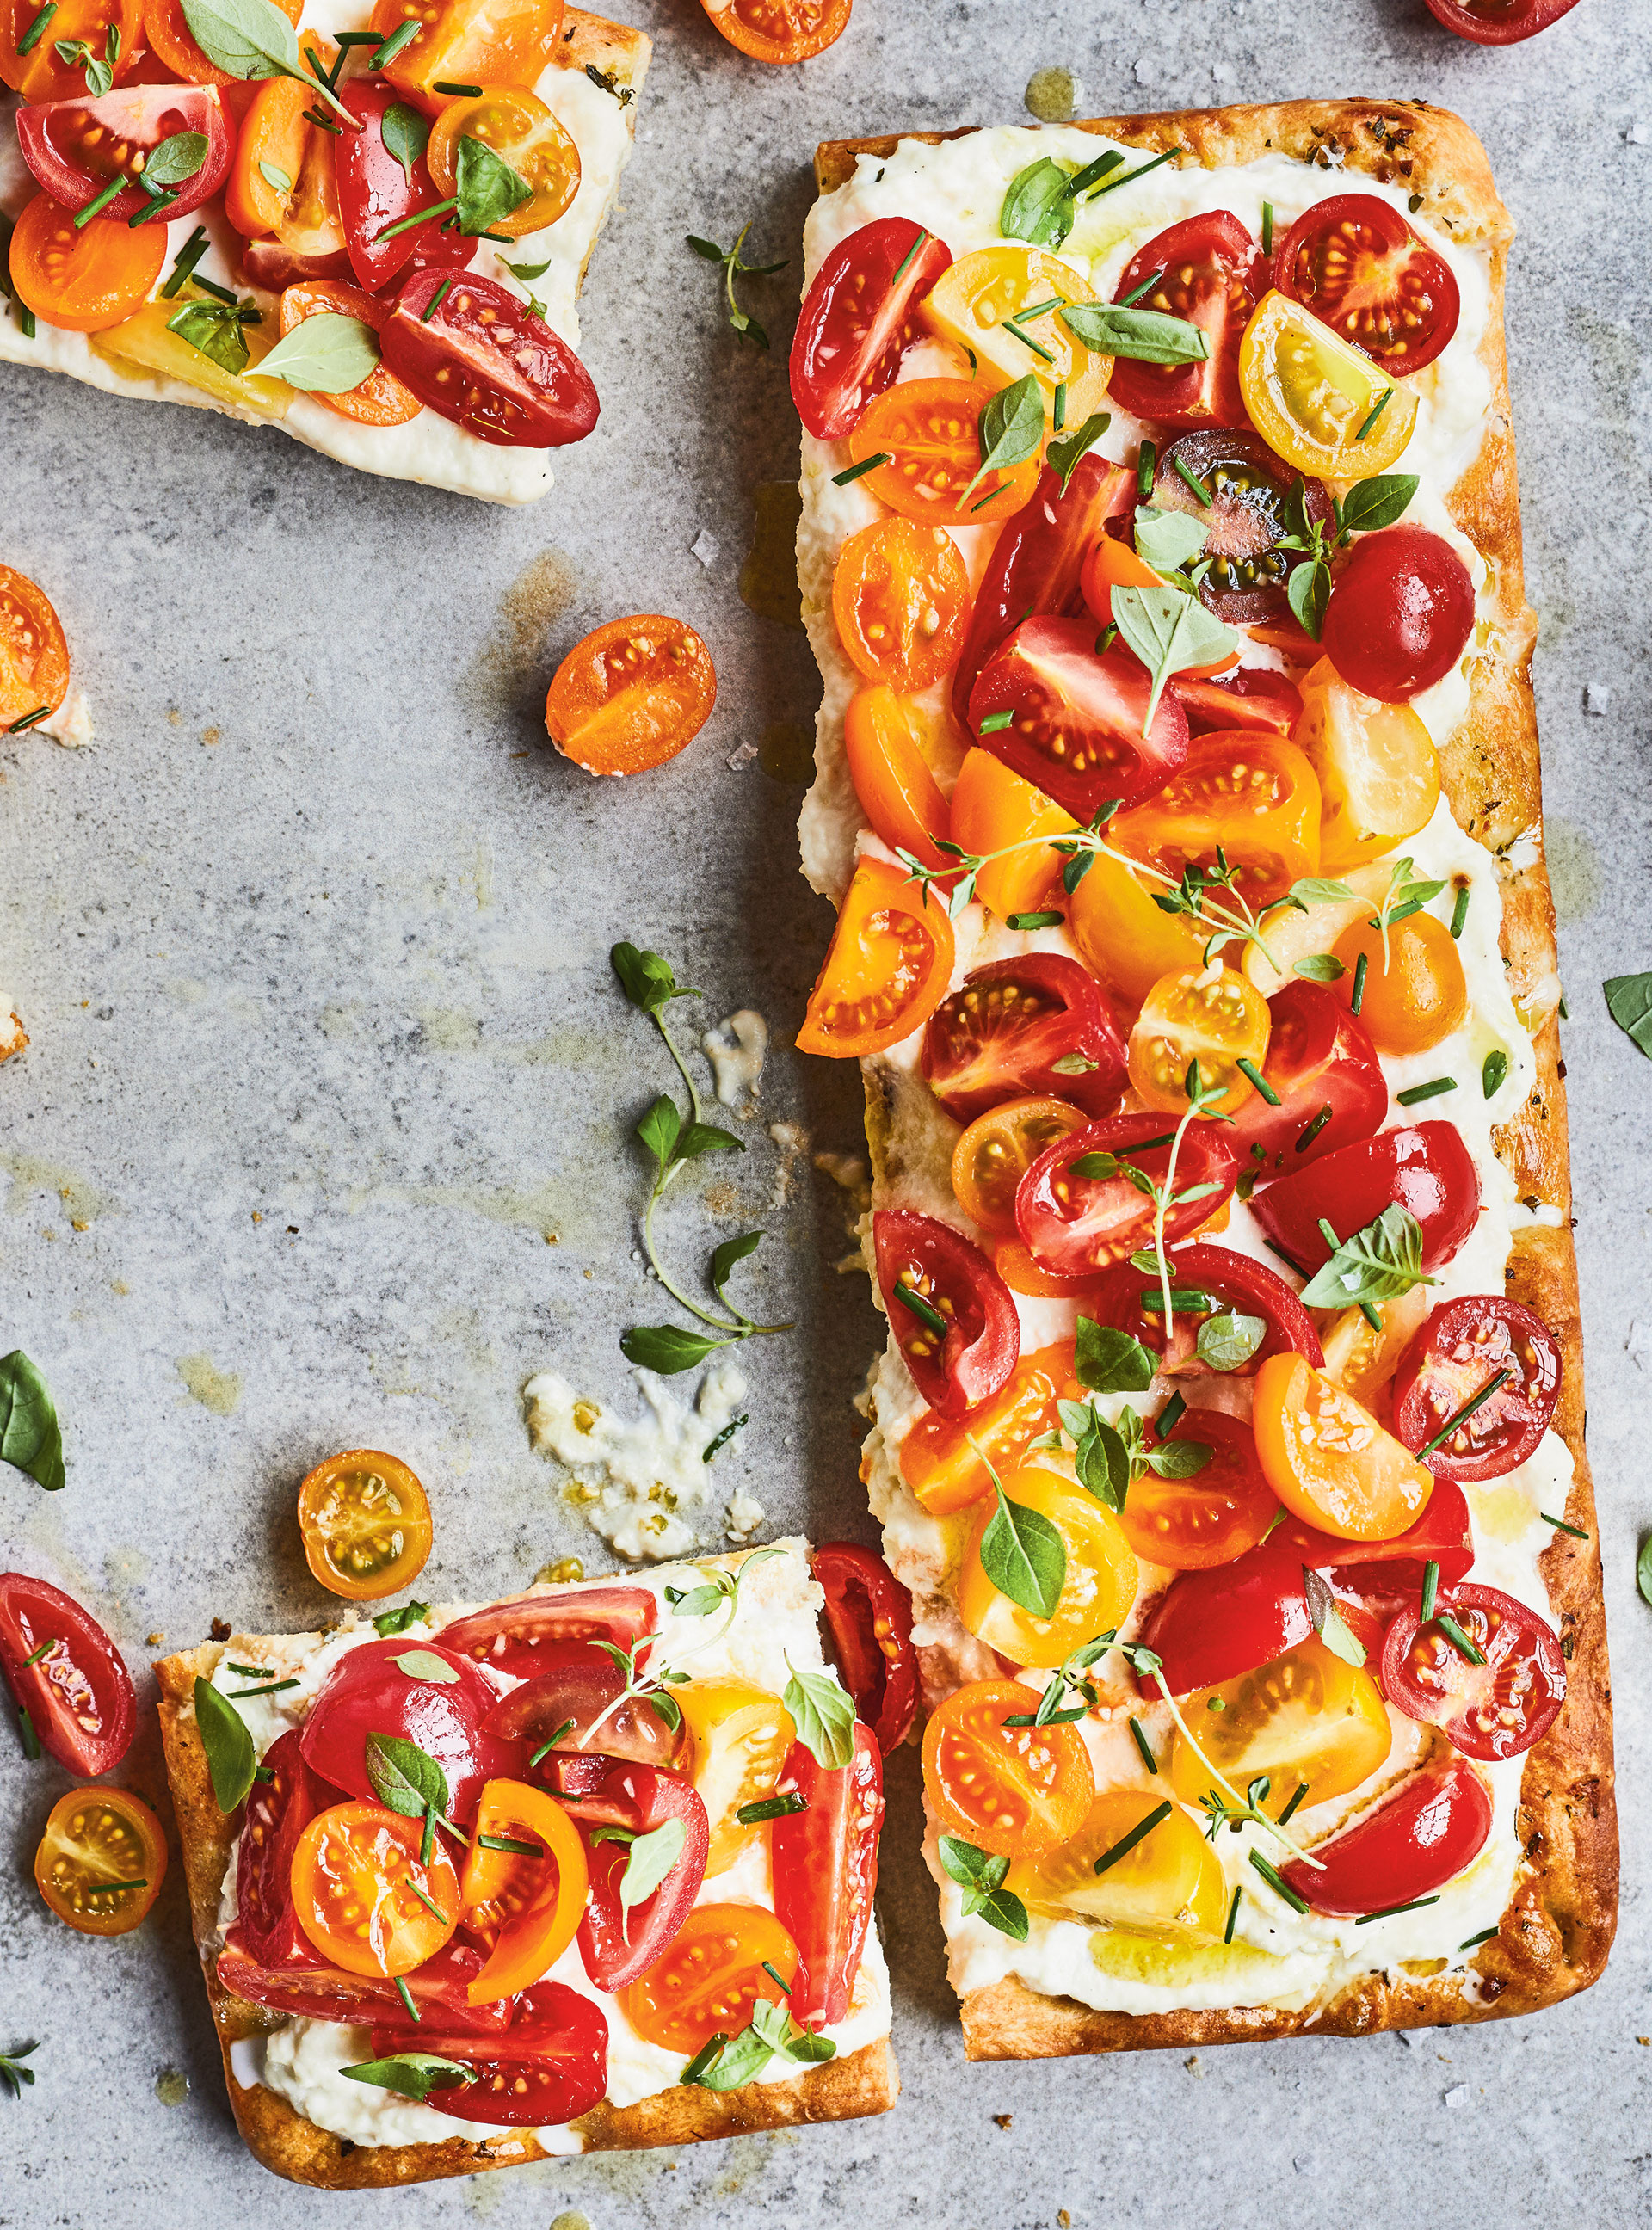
<point>1038,1024</point>
<point>618,1944</point>
<point>1415,1842</point>
<point>554,2069</point>
<point>1076,719</point>
<point>630,695</point>
<point>870,1616</point>
<point>1355,262</point>
<point>367,1692</point>
<point>1443,1536</point>
<point>76,148</point>
<point>527,1904</point>
<point>278,1810</point>
<point>1495,1708</point>
<point>1426,1168</point>
<point>1256,697</point>
<point>724,1958</point>
<point>825,1860</point>
<point>959,1332</point>
<point>1215,1625</point>
<point>886,969</point>
<point>322,1992</point>
<point>1456,1353</point>
<point>575,1695</point>
<point>472,351</point>
<point>77,1693</point>
<point>1328,1458</point>
<point>376,192</point>
<point>893,780</point>
<point>458,43</point>
<point>1217,1281</point>
<point>1208,270</point>
<point>1325,1073</point>
<point>1076,1218</point>
<point>507,1637</point>
<point>1018,1790</point>
<point>859,318</point>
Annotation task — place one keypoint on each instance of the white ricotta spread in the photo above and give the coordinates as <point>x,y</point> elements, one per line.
<point>737,1052</point>
<point>640,1481</point>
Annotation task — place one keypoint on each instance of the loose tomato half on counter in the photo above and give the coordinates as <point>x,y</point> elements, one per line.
<point>630,695</point>
<point>66,1676</point>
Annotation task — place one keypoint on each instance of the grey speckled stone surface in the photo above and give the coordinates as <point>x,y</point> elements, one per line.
<point>316,935</point>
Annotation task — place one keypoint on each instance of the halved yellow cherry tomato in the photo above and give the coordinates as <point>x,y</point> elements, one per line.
<point>1097,1592</point>
<point>1212,1015</point>
<point>101,1861</point>
<point>897,791</point>
<point>1305,1719</point>
<point>531,1907</point>
<point>359,1891</point>
<point>901,596</point>
<point>887,968</point>
<point>1362,1360</point>
<point>995,1153</point>
<point>145,343</point>
<point>1292,937</point>
<point>1377,769</point>
<point>741,1736</point>
<point>517,126</point>
<point>1253,796</point>
<point>929,429</point>
<point>499,42</point>
<point>1329,1459</point>
<point>943,1459</point>
<point>715,1970</point>
<point>1414,990</point>
<point>976,302</point>
<point>366,1525</point>
<point>993,807</point>
<point>1169,1883</point>
<point>1310,393</point>
<point>1123,938</point>
<point>1018,1791</point>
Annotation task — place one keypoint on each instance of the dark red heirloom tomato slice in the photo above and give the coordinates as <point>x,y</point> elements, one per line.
<point>375,191</point>
<point>1214,1624</point>
<point>1425,1167</point>
<point>1245,520</point>
<point>1400,615</point>
<point>1129,1300</point>
<point>1324,1069</point>
<point>860,314</point>
<point>1421,1838</point>
<point>278,1811</point>
<point>325,1993</point>
<point>971,1359</point>
<point>825,1862</point>
<point>367,1693</point>
<point>1494,1709</point>
<point>1443,1536</point>
<point>1461,1348</point>
<point>870,1615</point>
<point>507,1637</point>
<point>553,2068</point>
<point>1073,1219</point>
<point>1076,720</point>
<point>1037,560</point>
<point>1255,698</point>
<point>616,1945</point>
<point>1210,271</point>
<point>575,1696</point>
<point>1000,1035</point>
<point>473,352</point>
<point>1499,23</point>
<point>76,148</point>
<point>79,1695</point>
<point>1355,262</point>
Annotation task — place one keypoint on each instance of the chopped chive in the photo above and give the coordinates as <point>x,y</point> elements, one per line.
<point>269,1688</point>
<point>1467,1410</point>
<point>99,202</point>
<point>1460,912</point>
<point>991,496</point>
<point>1060,407</point>
<point>31,38</point>
<point>1267,227</point>
<point>26,1729</point>
<point>1430,1591</point>
<point>37,1654</point>
<point>347,39</point>
<point>994,721</point>
<point>1130,176</point>
<point>263,1773</point>
<point>1414,1095</point>
<point>39,712</point>
<point>1313,1129</point>
<point>907,260</point>
<point>427,1903</point>
<point>1034,920</point>
<point>1170,1416</point>
<point>1146,468</point>
<point>1233,1915</point>
<point>918,1306</point>
<point>1561,1526</point>
<point>775,1976</point>
<point>419,217</point>
<point>1277,1882</point>
<point>1459,1640</point>
<point>1484,1936</point>
<point>1376,410</point>
<point>427,1839</point>
<point>319,117</point>
<point>1373,1315</point>
<point>406,1997</point>
<point>1357,999</point>
<point>705,2060</point>
<point>222,295</point>
<point>1190,1299</point>
<point>250,1672</point>
<point>1144,1746</point>
<point>1302,1791</point>
<point>1495,1068</point>
<point>108,1889</point>
<point>187,256</point>
<point>401,36</point>
<point>773,1808</point>
<point>1146,287</point>
<point>1388,1911</point>
<point>1034,310</point>
<point>459,92</point>
<point>437,300</point>
<point>1105,640</point>
<point>866,465</point>
<point>546,1747</point>
<point>513,1844</point>
<point>1038,347</point>
<point>1250,1069</point>
<point>1192,481</point>
<point>1138,1834</point>
<point>1091,172</point>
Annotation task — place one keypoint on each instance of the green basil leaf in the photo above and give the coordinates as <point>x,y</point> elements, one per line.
<point>1643,1569</point>
<point>248,38</point>
<point>1102,1462</point>
<point>698,1603</point>
<point>213,328</point>
<point>1148,335</point>
<point>970,1866</point>
<point>1228,1340</point>
<point>773,2023</point>
<point>741,2059</point>
<point>708,249</point>
<point>1338,1641</point>
<point>29,1434</point>
<point>1169,631</point>
<point>665,1348</point>
<point>1317,890</point>
<point>732,1250</point>
<point>1110,1362</point>
<point>1038,206</point>
<point>652,1858</point>
<point>326,354</point>
<point>425,1664</point>
<point>659,1128</point>
<point>404,1777</point>
<point>808,2048</point>
<point>176,159</point>
<point>646,979</point>
<point>397,1621</point>
<point>1376,1264</point>
<point>275,175</point>
<point>1024,1556</point>
<point>999,1910</point>
<point>413,2074</point>
<point>526,270</point>
<point>1321,968</point>
<point>1167,540</point>
<point>1629,1002</point>
<point>666,1708</point>
<point>1370,504</point>
<point>1307,589</point>
<point>1065,451</point>
<point>1076,1418</point>
<point>405,135</point>
<point>698,1138</point>
<point>1012,425</point>
<point>822,1715</point>
<point>488,189</point>
<point>1178,1459</point>
<point>231,1759</point>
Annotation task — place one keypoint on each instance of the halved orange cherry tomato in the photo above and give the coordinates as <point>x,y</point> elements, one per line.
<point>1311,395</point>
<point>1123,937</point>
<point>995,1153</point>
<point>1215,1515</point>
<point>943,1459</point>
<point>42,74</point>
<point>1305,1719</point>
<point>1022,1275</point>
<point>84,278</point>
<point>530,1907</point>
<point>706,1984</point>
<point>931,431</point>
<point>780,31</point>
<point>171,40</point>
<point>34,654</point>
<point>1017,1790</point>
<point>506,42</point>
<point>1378,770</point>
<point>1212,1015</point>
<point>1254,796</point>
<point>101,1861</point>
<point>992,807</point>
<point>899,794</point>
<point>278,141</point>
<point>365,1521</point>
<point>741,1736</point>
<point>381,400</point>
<point>1099,1584</point>
<point>975,303</point>
<point>1170,1883</point>
<point>1329,1459</point>
<point>901,596</point>
<point>1415,991</point>
<point>630,695</point>
<point>519,129</point>
<point>887,968</point>
<point>359,1891</point>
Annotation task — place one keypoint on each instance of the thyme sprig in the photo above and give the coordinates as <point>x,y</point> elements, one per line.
<point>742,320</point>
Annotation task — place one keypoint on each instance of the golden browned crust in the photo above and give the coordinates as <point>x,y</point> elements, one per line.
<point>12,1037</point>
<point>1559,1925</point>
<point>864,2082</point>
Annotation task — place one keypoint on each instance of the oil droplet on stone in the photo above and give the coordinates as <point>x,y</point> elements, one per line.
<point>573,2219</point>
<point>769,576</point>
<point>1052,95</point>
<point>555,1575</point>
<point>786,751</point>
<point>171,2086</point>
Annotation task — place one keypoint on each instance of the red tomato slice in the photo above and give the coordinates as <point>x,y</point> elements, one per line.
<point>1001,1034</point>
<point>472,351</point>
<point>1324,1069</point>
<point>1072,1222</point>
<point>78,1695</point>
<point>367,1692</point>
<point>375,191</point>
<point>1425,1167</point>
<point>575,1694</point>
<point>1255,698</point>
<point>554,2069</point>
<point>968,1361</point>
<point>1037,560</point>
<point>278,1810</point>
<point>1215,1625</point>
<point>860,315</point>
<point>1401,614</point>
<point>870,1615</point>
<point>507,1637</point>
<point>273,266</point>
<point>1494,1709</point>
<point>76,148</point>
<point>1355,262</point>
<point>1245,521</point>
<point>325,1993</point>
<point>1442,1534</point>
<point>1460,1349</point>
<point>1210,271</point>
<point>1499,23</point>
<point>825,1862</point>
<point>1075,730</point>
<point>606,1792</point>
<point>1128,1298</point>
<point>1213,1517</point>
<point>1411,1846</point>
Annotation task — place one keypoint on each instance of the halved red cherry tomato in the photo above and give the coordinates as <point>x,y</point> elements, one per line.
<point>1214,1515</point>
<point>1076,719</point>
<point>929,429</point>
<point>858,319</point>
<point>1401,614</point>
<point>516,125</point>
<point>77,1692</point>
<point>1323,1070</point>
<point>34,653</point>
<point>901,596</point>
<point>943,1459</point>
<point>76,148</point>
<point>1224,1282</point>
<point>1214,1624</point>
<point>363,1895</point>
<point>280,140</point>
<point>1008,1030</point>
<point>1493,1709</point>
<point>780,31</point>
<point>1443,1536</point>
<point>473,352</point>
<point>101,1861</point>
<point>825,1862</point>
<point>509,1637</point>
<point>554,2069</point>
<point>381,399</point>
<point>508,43</point>
<point>886,969</point>
<point>1245,520</point>
<point>1355,262</point>
<point>995,1153</point>
<point>1499,23</point>
<point>630,695</point>
<point>970,1359</point>
<point>1253,796</point>
<point>1072,1222</point>
<point>724,1959</point>
<point>1017,1790</point>
<point>365,1523</point>
<point>1209,271</point>
<point>82,277</point>
<point>1329,1460</point>
<point>1413,1843</point>
<point>870,1616</point>
<point>1458,1350</point>
<point>367,1692</point>
<point>171,43</point>
<point>1424,1167</point>
<point>278,1810</point>
<point>527,1905</point>
<point>376,192</point>
<point>1256,697</point>
<point>573,1701</point>
<point>42,74</point>
<point>617,1942</point>
<point>322,1992</point>
<point>899,794</point>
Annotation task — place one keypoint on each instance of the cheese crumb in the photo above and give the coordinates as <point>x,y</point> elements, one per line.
<point>639,1481</point>
<point>737,1066</point>
<point>745,1515</point>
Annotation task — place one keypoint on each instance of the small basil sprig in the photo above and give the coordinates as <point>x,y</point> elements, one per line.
<point>99,74</point>
<point>1376,1264</point>
<point>1064,453</point>
<point>1169,631</point>
<point>729,2063</point>
<point>326,354</point>
<point>1039,205</point>
<point>413,2074</point>
<point>652,1857</point>
<point>1114,329</point>
<point>13,2073</point>
<point>1012,425</point>
<point>251,40</point>
<point>231,1759</point>
<point>1629,1002</point>
<point>980,1874</point>
<point>1109,1458</point>
<point>733,266</point>
<point>30,1437</point>
<point>1367,505</point>
<point>1327,1620</point>
<point>822,1715</point>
